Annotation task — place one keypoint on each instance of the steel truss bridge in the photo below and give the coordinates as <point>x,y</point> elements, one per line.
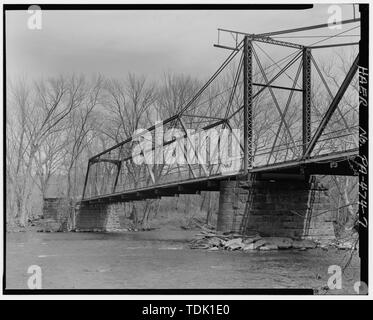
<point>291,116</point>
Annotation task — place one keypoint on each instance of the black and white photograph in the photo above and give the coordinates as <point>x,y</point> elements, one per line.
<point>175,149</point>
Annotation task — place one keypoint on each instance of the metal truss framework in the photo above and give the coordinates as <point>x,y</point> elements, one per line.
<point>112,172</point>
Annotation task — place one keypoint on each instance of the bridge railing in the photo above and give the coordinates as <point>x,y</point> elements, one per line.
<point>110,177</point>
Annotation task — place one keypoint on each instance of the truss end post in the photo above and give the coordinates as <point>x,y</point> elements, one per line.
<point>306,99</point>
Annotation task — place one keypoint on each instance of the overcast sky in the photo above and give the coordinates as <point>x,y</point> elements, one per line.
<point>144,42</point>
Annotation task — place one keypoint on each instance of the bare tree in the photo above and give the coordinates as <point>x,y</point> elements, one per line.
<point>128,105</point>
<point>81,131</point>
<point>81,127</point>
<point>38,111</point>
<point>49,159</point>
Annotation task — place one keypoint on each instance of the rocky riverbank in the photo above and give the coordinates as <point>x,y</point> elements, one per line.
<point>219,241</point>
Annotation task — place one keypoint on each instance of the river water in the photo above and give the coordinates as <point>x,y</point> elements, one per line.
<point>162,259</point>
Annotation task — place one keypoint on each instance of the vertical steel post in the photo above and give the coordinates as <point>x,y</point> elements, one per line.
<point>306,99</point>
<point>247,102</point>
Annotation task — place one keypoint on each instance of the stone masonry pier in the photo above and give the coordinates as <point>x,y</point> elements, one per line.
<point>98,217</point>
<point>292,207</point>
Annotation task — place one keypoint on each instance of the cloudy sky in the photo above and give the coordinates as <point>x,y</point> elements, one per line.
<point>144,42</point>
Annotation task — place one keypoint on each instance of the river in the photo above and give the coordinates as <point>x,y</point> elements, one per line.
<point>162,259</point>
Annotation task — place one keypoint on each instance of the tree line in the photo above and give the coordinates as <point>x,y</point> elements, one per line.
<point>54,125</point>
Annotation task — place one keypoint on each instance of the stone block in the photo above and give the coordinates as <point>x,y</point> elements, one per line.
<point>308,244</point>
<point>267,247</point>
<point>280,242</point>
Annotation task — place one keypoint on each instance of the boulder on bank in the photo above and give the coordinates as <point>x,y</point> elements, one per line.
<point>347,244</point>
<point>251,239</point>
<point>268,247</point>
<point>214,242</point>
<point>233,244</point>
<point>211,240</point>
<point>253,245</point>
<point>306,244</point>
<point>279,242</point>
